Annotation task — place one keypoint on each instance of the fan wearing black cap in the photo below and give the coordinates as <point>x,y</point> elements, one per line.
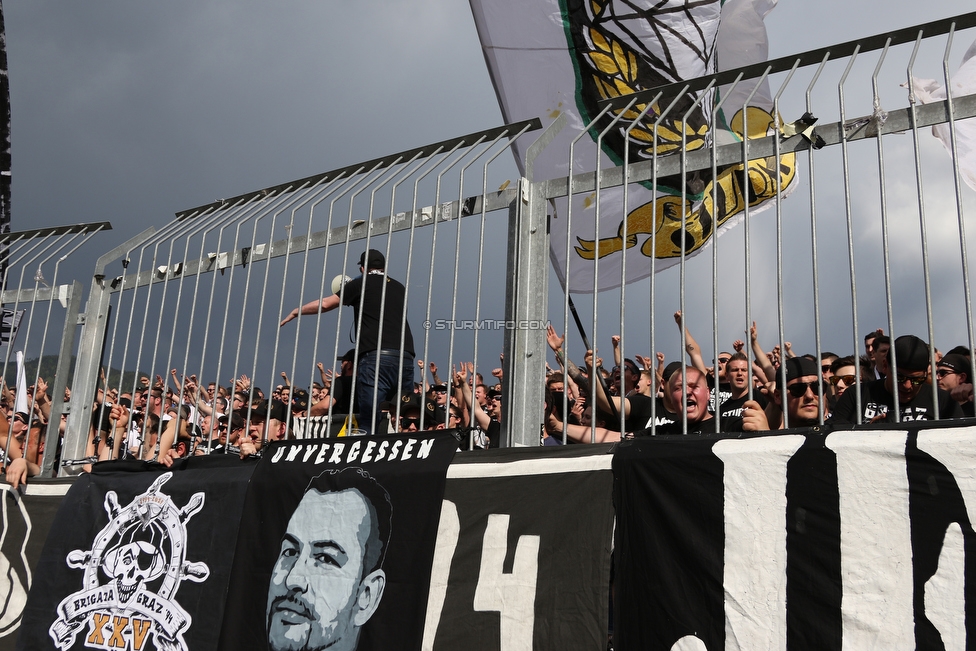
<point>378,328</point>
<point>953,373</point>
<point>802,400</point>
<point>909,376</point>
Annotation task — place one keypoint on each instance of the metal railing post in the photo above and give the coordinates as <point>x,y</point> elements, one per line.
<point>60,380</point>
<point>526,304</point>
<point>85,380</point>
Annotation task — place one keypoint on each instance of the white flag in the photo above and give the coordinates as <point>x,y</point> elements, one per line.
<point>552,57</point>
<point>963,83</point>
<point>20,398</point>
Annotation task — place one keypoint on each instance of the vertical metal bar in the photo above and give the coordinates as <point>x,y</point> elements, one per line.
<point>921,223</point>
<point>813,244</point>
<point>884,229</point>
<point>845,158</point>
<point>685,213</point>
<point>779,243</point>
<point>621,389</point>
<point>715,226</point>
<point>61,378</point>
<point>623,265</point>
<point>653,284</point>
<point>746,223</point>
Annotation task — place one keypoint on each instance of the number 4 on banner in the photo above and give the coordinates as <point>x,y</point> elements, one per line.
<point>512,595</point>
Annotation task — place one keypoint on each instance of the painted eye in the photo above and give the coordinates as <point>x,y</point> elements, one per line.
<point>326,559</point>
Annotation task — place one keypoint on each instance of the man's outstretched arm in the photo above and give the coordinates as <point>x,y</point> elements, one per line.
<point>326,304</point>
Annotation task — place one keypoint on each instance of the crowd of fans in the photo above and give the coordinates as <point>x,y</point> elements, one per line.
<point>743,391</point>
<point>748,389</point>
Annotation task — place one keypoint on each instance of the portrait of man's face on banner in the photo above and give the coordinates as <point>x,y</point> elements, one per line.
<point>329,579</point>
<point>336,545</point>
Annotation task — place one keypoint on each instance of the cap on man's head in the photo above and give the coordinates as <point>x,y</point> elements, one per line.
<point>956,363</point>
<point>409,400</point>
<point>299,400</point>
<point>959,350</point>
<point>372,259</point>
<point>912,353</point>
<point>276,410</point>
<point>349,356</point>
<point>435,413</point>
<point>797,367</point>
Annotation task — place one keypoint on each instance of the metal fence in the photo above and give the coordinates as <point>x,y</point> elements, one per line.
<point>859,223</point>
<point>40,323</point>
<point>202,297</point>
<point>856,225</point>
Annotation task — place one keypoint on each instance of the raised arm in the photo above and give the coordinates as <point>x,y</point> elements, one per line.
<point>42,402</point>
<point>615,343</point>
<point>691,346</point>
<point>433,373</point>
<point>458,385</point>
<point>579,433</point>
<point>761,358</point>
<point>602,402</point>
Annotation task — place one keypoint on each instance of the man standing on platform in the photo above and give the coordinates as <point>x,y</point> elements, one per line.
<point>379,303</point>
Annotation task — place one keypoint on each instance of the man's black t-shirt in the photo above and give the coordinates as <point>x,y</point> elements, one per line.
<point>640,413</point>
<point>877,405</point>
<point>724,392</point>
<point>706,426</point>
<point>392,315</point>
<point>733,406</point>
<point>341,393</point>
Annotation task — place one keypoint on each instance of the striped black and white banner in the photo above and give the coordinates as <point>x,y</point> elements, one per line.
<point>804,540</point>
<point>27,516</point>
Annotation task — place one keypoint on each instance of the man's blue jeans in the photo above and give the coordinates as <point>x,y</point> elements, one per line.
<point>386,384</point>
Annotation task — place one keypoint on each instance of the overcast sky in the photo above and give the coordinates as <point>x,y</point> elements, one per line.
<point>129,111</point>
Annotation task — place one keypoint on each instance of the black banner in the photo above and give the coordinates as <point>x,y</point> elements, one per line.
<point>139,560</point>
<point>27,517</point>
<point>523,551</point>
<point>804,540</point>
<point>336,544</point>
